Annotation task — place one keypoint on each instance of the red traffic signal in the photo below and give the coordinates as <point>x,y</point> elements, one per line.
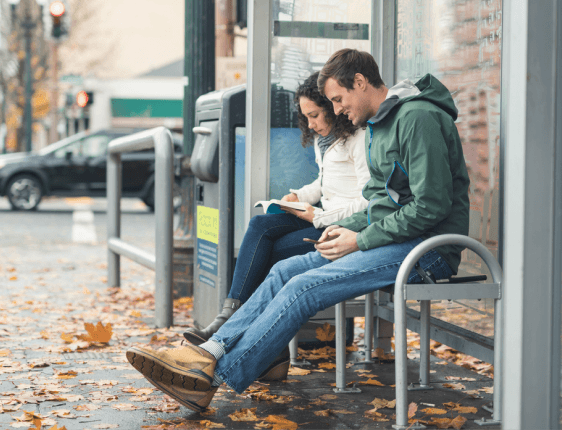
<point>84,98</point>
<point>57,9</point>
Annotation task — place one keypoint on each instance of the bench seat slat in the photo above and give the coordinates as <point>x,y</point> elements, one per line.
<point>451,291</point>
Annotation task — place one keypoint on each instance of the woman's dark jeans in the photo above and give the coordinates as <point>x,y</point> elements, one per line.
<point>270,238</point>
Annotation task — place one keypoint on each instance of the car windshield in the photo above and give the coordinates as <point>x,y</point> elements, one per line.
<point>61,143</point>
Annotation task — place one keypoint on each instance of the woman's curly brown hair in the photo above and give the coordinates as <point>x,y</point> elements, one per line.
<point>343,127</point>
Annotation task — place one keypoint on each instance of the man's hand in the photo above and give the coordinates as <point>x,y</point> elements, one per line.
<point>337,242</point>
<point>307,215</point>
<point>292,197</point>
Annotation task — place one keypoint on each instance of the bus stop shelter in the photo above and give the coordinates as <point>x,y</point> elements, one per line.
<point>501,61</point>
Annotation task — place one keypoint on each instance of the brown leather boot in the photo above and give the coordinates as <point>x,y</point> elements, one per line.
<point>278,370</point>
<point>188,367</point>
<point>197,337</point>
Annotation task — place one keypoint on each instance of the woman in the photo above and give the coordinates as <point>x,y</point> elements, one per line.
<point>343,171</point>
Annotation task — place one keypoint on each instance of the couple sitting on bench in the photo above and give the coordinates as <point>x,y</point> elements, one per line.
<point>418,189</point>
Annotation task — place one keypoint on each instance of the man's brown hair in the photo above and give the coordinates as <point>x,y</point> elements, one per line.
<point>344,64</point>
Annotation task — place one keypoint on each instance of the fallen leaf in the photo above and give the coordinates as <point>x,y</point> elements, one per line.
<point>412,409</point>
<point>245,414</point>
<point>455,386</point>
<point>434,411</point>
<point>327,365</point>
<point>98,333</point>
<point>375,415</point>
<point>323,413</point>
<point>466,410</point>
<point>68,338</point>
<point>458,422</point>
<point>382,403</point>
<point>371,382</point>
<point>66,375</point>
<point>326,333</point>
<point>297,371</point>
<point>211,425</point>
<point>281,423</point>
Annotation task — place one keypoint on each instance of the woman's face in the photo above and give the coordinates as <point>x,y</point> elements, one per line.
<point>316,117</point>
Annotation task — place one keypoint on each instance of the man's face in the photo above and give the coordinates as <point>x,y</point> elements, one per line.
<point>352,103</point>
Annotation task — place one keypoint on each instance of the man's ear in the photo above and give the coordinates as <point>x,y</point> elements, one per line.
<point>359,82</point>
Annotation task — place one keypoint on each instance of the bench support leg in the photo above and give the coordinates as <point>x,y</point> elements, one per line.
<point>340,352</point>
<point>369,322</point>
<point>294,352</point>
<point>384,330</point>
<point>498,369</point>
<point>425,312</point>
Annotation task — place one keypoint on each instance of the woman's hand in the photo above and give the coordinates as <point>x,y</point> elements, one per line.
<point>292,197</point>
<point>307,215</point>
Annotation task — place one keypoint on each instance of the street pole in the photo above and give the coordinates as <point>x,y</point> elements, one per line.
<point>199,78</point>
<point>53,131</point>
<point>28,25</point>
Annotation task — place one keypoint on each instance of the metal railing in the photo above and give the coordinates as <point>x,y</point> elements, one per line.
<point>160,139</point>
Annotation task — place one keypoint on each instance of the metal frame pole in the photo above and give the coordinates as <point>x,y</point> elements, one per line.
<point>258,95</point>
<point>114,178</point>
<point>400,319</point>
<point>531,91</point>
<point>164,211</point>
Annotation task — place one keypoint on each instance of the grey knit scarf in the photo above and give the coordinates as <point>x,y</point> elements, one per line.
<point>325,142</point>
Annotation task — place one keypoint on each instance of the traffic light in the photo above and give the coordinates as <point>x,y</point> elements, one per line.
<point>58,11</point>
<point>84,98</point>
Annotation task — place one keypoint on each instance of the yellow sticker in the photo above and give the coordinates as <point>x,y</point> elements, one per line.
<point>208,224</point>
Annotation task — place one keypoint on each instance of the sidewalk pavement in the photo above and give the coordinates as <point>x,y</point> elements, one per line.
<point>54,373</point>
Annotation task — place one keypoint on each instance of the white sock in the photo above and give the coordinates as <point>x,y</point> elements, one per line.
<point>217,351</point>
<point>214,348</point>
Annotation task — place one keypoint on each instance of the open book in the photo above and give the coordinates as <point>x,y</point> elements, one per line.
<point>274,206</point>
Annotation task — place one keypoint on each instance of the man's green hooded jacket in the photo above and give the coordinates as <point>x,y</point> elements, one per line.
<point>419,182</point>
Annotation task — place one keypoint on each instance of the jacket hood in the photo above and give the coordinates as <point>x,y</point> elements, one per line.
<point>428,88</point>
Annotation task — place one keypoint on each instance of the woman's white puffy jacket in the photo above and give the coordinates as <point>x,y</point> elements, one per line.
<point>343,173</point>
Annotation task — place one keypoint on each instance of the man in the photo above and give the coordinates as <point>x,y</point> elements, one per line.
<point>418,189</point>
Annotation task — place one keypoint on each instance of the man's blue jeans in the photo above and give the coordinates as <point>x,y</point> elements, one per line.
<point>269,238</point>
<point>295,290</point>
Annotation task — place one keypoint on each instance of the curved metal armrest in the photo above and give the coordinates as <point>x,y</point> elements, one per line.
<point>445,239</point>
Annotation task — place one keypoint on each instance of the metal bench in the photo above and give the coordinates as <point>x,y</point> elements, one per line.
<point>451,289</point>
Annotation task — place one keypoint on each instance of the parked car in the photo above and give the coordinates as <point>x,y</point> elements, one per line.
<point>76,166</point>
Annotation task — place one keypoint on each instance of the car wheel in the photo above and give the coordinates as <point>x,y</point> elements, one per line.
<point>176,197</point>
<point>24,192</point>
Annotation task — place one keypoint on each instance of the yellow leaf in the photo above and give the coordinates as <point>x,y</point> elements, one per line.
<point>371,382</point>
<point>68,338</point>
<point>5,352</point>
<point>326,333</point>
<point>298,371</point>
<point>458,422</point>
<point>466,410</point>
<point>66,375</point>
<point>211,425</point>
<point>13,278</point>
<point>281,423</point>
<point>434,411</point>
<point>244,414</point>
<point>98,333</point>
<point>327,365</point>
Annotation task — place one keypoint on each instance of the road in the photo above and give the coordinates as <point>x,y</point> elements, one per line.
<point>74,220</point>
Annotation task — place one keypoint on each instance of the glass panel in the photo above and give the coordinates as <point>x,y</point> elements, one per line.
<point>459,42</point>
<point>306,33</point>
